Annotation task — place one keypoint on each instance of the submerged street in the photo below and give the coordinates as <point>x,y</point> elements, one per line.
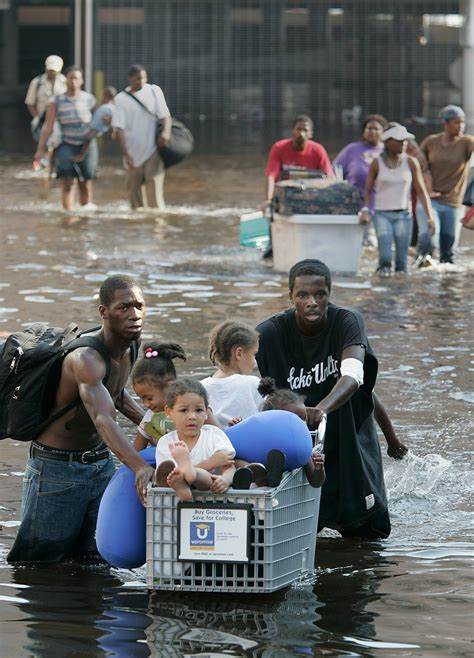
<point>406,596</point>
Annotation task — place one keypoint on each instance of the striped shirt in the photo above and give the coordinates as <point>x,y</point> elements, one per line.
<point>74,115</point>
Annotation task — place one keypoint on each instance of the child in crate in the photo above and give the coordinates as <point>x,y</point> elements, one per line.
<point>232,389</point>
<point>194,454</point>
<point>286,400</point>
<point>151,377</point>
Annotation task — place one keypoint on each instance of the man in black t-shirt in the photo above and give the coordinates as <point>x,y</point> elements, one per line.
<point>322,352</point>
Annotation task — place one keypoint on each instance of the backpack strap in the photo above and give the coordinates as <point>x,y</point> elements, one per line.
<point>76,343</point>
<point>134,352</point>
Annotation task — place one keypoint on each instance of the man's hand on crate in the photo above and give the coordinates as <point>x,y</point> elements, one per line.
<point>143,476</point>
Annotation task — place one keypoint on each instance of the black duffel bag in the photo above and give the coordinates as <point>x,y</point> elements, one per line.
<point>180,145</point>
<point>181,142</point>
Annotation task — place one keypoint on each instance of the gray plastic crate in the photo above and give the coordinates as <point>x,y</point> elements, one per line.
<point>282,538</point>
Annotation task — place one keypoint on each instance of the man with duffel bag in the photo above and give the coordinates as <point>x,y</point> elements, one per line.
<point>149,138</point>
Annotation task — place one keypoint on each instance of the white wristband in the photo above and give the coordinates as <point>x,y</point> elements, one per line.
<point>353,368</point>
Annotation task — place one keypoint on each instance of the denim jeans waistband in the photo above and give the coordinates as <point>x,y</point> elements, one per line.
<point>40,451</point>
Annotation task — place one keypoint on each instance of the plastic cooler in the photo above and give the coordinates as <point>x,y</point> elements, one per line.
<point>334,239</point>
<point>281,533</point>
<point>254,230</point>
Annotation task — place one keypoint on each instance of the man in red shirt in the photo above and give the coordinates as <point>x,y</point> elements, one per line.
<point>300,150</point>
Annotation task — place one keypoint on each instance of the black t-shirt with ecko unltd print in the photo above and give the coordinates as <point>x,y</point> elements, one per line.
<point>310,365</point>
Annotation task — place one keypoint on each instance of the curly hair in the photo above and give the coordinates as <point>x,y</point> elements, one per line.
<point>185,385</point>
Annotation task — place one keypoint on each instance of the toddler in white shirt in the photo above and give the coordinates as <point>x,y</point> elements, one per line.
<point>194,454</point>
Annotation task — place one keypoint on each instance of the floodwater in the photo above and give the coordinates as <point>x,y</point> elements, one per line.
<point>408,596</point>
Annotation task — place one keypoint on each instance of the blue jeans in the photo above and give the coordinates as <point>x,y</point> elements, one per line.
<point>448,229</point>
<point>390,226</point>
<point>59,510</point>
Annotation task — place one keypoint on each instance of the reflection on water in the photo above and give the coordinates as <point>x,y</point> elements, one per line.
<point>406,596</point>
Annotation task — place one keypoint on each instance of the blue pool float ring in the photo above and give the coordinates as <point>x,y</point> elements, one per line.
<point>255,436</point>
<point>121,522</point>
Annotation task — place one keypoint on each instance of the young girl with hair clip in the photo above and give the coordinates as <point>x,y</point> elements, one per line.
<point>232,389</point>
<point>151,377</point>
<point>194,454</point>
<point>285,400</point>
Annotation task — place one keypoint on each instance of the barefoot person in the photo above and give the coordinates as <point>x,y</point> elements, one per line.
<point>73,111</point>
<point>321,351</point>
<point>70,464</point>
<point>189,456</point>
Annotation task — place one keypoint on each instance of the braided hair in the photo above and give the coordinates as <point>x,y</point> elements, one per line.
<point>227,335</point>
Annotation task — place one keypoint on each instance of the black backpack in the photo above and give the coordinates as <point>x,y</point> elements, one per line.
<point>30,370</point>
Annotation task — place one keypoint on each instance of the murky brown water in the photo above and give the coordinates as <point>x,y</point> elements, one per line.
<point>408,596</point>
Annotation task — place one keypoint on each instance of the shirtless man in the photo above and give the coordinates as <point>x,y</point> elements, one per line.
<point>70,464</point>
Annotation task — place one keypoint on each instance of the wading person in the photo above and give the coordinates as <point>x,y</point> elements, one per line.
<point>390,178</point>
<point>69,464</point>
<point>73,111</point>
<point>356,158</point>
<point>41,90</point>
<point>448,156</point>
<point>321,352</point>
<point>299,150</point>
<point>138,109</point>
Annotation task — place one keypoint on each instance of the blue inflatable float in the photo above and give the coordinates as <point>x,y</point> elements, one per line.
<point>255,436</point>
<point>121,523</point>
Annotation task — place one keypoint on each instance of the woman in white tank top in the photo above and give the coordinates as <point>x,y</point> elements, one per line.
<point>391,176</point>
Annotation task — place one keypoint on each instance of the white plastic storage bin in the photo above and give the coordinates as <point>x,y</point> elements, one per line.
<point>334,239</point>
<point>281,539</point>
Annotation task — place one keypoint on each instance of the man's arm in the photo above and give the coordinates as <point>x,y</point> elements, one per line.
<point>325,163</point>
<point>30,99</point>
<point>269,190</point>
<point>343,390</point>
<point>123,147</point>
<point>46,130</point>
<point>89,370</point>
<point>130,408</point>
<point>165,135</point>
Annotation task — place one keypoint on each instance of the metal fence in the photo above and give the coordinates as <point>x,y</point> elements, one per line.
<point>238,71</point>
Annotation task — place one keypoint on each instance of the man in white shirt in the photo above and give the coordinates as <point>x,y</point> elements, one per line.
<point>138,109</point>
<point>42,89</point>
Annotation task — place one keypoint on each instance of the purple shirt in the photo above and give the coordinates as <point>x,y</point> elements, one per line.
<point>355,160</point>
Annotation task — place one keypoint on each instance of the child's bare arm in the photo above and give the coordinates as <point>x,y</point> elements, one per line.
<point>395,449</point>
<point>220,459</point>
<point>211,419</point>
<point>314,470</point>
<point>140,442</point>
<point>221,483</point>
